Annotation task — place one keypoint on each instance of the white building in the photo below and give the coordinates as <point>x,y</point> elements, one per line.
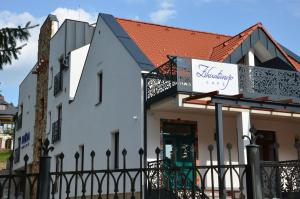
<point>97,95</point>
<point>24,132</point>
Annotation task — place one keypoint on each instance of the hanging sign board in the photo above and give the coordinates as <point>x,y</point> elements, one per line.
<point>215,76</point>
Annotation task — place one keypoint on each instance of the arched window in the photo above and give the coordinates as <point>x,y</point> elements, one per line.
<point>8,144</point>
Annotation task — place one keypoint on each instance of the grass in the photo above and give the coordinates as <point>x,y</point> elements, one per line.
<point>4,156</point>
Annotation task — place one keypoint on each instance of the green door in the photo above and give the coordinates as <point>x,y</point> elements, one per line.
<point>178,144</point>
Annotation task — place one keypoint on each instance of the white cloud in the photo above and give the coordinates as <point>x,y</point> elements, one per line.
<point>77,14</point>
<point>12,75</point>
<point>165,12</point>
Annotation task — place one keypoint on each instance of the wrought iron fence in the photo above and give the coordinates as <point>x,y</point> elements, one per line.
<point>154,181</point>
<point>281,179</point>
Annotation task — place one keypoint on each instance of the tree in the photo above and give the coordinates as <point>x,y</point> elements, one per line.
<point>9,49</point>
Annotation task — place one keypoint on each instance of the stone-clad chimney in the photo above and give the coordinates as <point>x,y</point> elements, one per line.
<point>48,29</point>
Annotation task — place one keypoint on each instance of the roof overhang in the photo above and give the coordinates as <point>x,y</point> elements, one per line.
<point>238,101</point>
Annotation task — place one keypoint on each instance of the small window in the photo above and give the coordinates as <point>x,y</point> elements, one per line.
<point>115,148</point>
<point>59,112</point>
<point>21,109</point>
<point>100,87</point>
<point>81,153</point>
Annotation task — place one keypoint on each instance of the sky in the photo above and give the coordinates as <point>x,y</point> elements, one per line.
<point>280,17</point>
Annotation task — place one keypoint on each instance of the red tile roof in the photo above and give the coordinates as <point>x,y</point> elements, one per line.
<point>158,41</point>
<point>222,51</point>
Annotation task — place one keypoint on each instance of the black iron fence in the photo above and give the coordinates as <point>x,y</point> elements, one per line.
<point>157,180</point>
<point>281,179</point>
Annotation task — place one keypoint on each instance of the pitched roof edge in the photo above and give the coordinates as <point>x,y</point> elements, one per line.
<point>129,44</point>
<point>253,26</point>
<point>290,53</point>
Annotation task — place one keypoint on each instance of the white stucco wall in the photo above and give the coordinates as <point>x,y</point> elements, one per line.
<point>84,120</point>
<point>286,130</point>
<point>91,124</point>
<point>27,98</point>
<point>205,130</point>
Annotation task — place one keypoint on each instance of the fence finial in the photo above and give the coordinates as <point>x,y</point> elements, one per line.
<point>254,135</point>
<point>46,147</point>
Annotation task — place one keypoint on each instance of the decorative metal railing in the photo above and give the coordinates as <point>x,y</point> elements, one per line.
<point>198,181</point>
<point>274,83</point>
<point>176,76</point>
<point>161,79</point>
<point>58,83</point>
<point>281,179</point>
<point>152,181</point>
<point>56,131</point>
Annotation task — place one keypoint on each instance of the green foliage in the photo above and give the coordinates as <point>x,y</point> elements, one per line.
<point>4,156</point>
<point>9,49</point>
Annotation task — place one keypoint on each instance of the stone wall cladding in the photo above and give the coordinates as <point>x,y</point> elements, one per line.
<point>42,91</point>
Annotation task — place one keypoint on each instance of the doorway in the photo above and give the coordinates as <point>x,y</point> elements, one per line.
<point>179,142</point>
<point>267,143</point>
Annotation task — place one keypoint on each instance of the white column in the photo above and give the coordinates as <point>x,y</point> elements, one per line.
<point>250,59</point>
<point>243,126</point>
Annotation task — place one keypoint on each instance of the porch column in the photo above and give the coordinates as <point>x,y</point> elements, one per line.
<point>220,148</point>
<point>250,59</point>
<point>243,126</point>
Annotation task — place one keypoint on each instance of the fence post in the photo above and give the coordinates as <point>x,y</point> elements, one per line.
<point>44,175</point>
<point>253,159</point>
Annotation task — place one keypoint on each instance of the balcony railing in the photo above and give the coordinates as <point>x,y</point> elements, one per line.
<point>58,83</point>
<point>19,122</point>
<point>56,131</point>
<point>17,155</point>
<point>253,81</point>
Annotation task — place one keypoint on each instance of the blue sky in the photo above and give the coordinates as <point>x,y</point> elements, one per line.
<point>280,17</point>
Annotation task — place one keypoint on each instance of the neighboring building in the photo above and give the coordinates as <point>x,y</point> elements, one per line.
<point>130,84</point>
<point>7,115</point>
<point>24,133</point>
